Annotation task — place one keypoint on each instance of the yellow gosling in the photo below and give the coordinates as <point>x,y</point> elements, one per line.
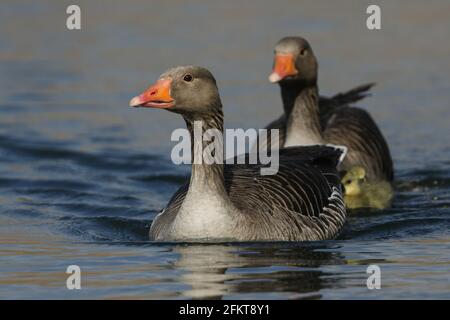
<point>360,193</point>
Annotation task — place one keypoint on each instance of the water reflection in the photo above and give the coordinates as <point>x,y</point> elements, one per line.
<point>215,271</point>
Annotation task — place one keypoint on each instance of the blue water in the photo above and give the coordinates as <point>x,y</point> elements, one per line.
<point>82,175</point>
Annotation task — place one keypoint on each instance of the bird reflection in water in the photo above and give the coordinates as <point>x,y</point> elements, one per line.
<point>215,271</point>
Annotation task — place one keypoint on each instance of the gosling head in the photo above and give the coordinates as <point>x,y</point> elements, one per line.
<point>353,180</point>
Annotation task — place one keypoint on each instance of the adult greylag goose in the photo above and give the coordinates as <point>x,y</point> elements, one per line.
<point>221,202</point>
<point>310,120</point>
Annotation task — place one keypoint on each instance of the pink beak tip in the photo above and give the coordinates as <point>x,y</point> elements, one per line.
<point>274,77</point>
<point>136,101</point>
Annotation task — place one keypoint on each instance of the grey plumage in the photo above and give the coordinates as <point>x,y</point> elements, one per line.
<point>355,128</point>
<point>350,126</point>
<point>302,202</point>
<point>221,202</point>
<point>341,123</point>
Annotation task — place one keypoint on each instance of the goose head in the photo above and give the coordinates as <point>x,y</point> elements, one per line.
<point>294,61</point>
<point>188,90</point>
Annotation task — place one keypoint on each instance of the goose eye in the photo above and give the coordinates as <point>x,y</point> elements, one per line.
<point>188,78</point>
<point>348,181</point>
<point>303,52</point>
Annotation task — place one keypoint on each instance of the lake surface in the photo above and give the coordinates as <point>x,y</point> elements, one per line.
<point>82,175</point>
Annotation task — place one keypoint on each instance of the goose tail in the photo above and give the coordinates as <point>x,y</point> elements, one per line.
<point>353,95</point>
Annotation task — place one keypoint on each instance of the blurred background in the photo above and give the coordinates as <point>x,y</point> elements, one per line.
<point>83,173</point>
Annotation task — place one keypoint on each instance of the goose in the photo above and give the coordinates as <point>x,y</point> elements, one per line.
<point>303,201</point>
<point>310,120</point>
<point>360,193</point>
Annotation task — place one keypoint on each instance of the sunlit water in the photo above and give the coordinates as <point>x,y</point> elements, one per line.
<point>82,175</point>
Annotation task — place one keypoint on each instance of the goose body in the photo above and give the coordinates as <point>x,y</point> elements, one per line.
<point>327,120</point>
<point>302,201</point>
<point>330,110</point>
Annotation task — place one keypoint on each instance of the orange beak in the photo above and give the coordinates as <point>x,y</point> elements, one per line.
<point>284,66</point>
<point>157,96</point>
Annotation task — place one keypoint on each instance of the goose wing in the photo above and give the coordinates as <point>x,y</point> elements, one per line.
<point>304,197</point>
<point>328,106</point>
<point>355,128</point>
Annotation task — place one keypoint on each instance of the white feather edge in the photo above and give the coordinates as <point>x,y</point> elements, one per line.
<point>344,150</point>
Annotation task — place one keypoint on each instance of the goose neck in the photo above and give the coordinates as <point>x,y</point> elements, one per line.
<point>303,122</point>
<point>206,134</point>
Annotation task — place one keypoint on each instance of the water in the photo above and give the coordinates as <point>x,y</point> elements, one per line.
<point>82,174</point>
